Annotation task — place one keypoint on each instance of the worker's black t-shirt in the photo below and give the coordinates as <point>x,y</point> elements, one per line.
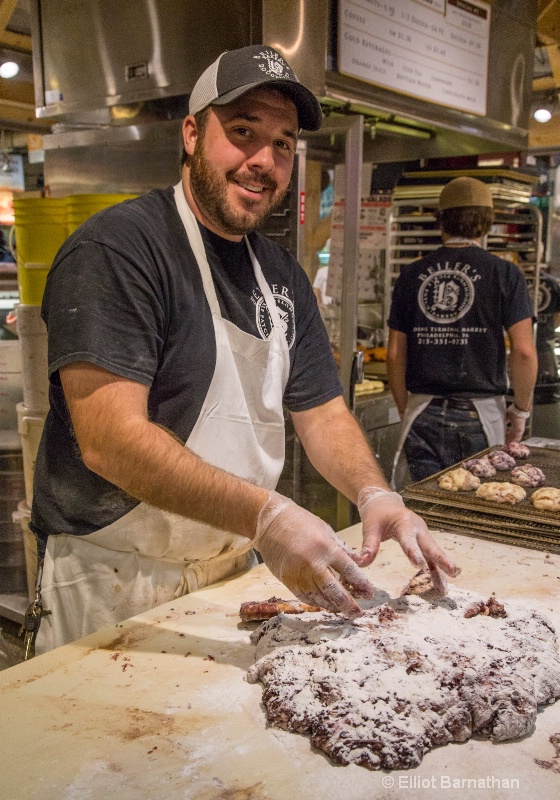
<point>125,293</point>
<point>454,305</point>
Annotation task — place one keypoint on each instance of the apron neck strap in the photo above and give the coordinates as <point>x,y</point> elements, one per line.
<point>195,240</point>
<point>265,289</point>
<point>197,245</point>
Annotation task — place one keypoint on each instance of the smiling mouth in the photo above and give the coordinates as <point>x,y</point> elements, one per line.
<point>251,187</point>
<point>256,189</point>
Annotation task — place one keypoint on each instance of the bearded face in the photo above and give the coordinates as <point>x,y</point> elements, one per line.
<point>210,189</point>
<point>242,161</point>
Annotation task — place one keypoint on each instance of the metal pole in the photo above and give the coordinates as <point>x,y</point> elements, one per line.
<point>350,255</point>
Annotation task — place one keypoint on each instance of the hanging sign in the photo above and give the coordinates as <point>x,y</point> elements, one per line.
<point>436,50</point>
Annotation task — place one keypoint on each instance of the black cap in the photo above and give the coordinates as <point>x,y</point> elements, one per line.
<point>238,71</point>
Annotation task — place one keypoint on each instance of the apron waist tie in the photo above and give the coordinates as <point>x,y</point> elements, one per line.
<point>198,574</point>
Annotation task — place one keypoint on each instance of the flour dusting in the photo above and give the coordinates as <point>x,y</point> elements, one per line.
<point>409,675</point>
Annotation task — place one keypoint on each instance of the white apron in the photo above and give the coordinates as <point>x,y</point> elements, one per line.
<point>150,556</point>
<point>492,413</point>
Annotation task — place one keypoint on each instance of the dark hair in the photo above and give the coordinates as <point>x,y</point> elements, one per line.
<point>472,222</point>
<point>201,118</point>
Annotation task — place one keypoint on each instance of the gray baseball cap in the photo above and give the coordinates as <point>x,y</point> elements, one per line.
<point>238,71</point>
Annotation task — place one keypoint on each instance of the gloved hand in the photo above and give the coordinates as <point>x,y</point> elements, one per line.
<point>385,516</point>
<point>515,423</point>
<point>301,551</point>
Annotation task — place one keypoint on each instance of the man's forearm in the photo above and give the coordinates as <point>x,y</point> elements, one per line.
<point>396,368</point>
<point>118,442</point>
<point>338,449</point>
<point>397,385</point>
<point>147,462</point>
<point>523,368</point>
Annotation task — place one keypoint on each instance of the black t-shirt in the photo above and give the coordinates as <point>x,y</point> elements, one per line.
<point>454,305</point>
<point>548,305</point>
<point>125,293</point>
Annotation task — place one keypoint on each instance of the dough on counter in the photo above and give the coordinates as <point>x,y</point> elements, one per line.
<point>260,610</point>
<point>412,674</point>
<point>517,450</point>
<point>481,467</point>
<point>458,480</point>
<point>501,492</point>
<point>546,499</point>
<point>501,460</point>
<point>527,475</point>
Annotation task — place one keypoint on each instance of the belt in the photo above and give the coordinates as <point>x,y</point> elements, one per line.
<point>452,402</point>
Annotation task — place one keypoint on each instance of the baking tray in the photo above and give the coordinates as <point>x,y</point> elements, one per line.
<point>534,535</point>
<point>544,458</point>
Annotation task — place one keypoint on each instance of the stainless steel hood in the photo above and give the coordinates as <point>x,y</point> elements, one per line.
<point>91,54</point>
<point>94,54</point>
<point>114,77</point>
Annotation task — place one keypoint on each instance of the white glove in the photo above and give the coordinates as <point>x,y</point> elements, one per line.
<point>385,516</point>
<point>301,550</point>
<point>515,425</point>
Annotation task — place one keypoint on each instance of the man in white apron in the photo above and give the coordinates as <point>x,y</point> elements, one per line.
<point>175,336</point>
<point>446,359</point>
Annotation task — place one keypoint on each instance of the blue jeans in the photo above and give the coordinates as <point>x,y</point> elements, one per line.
<point>440,437</point>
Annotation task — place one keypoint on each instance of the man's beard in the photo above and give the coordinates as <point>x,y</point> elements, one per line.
<point>209,189</point>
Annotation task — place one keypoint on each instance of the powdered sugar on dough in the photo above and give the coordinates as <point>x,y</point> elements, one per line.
<point>406,676</point>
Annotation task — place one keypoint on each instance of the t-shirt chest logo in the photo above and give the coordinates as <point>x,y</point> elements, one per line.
<point>446,296</point>
<point>285,309</point>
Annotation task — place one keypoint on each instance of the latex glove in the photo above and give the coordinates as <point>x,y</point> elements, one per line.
<point>515,424</point>
<point>301,550</point>
<point>385,516</point>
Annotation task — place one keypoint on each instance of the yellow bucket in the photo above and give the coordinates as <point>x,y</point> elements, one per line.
<point>40,228</point>
<point>84,206</point>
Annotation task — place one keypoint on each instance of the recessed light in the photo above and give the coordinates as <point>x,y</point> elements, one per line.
<point>541,114</point>
<point>9,69</point>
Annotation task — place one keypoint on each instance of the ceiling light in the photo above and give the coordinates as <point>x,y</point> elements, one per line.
<point>541,114</point>
<point>9,69</point>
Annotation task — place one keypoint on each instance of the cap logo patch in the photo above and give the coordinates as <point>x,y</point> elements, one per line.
<point>272,64</point>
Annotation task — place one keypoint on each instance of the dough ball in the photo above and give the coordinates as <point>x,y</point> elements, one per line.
<point>517,450</point>
<point>501,492</point>
<point>481,467</point>
<point>546,499</point>
<point>458,480</point>
<point>527,475</point>
<point>501,460</point>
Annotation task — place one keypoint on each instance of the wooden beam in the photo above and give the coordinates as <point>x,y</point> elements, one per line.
<point>554,59</point>
<point>545,134</point>
<point>548,22</point>
<point>15,41</point>
<point>20,91</point>
<point>9,39</point>
<point>544,84</point>
<point>12,112</point>
<point>7,8</point>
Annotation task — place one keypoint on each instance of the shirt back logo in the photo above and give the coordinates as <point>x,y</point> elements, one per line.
<point>446,296</point>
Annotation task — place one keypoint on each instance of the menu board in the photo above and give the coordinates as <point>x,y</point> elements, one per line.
<point>436,50</point>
